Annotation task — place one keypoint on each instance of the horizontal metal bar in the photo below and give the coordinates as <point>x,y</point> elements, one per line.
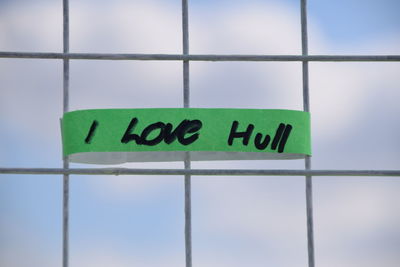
<point>197,172</point>
<point>176,57</point>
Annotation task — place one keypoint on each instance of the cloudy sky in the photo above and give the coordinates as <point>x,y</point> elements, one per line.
<point>237,221</point>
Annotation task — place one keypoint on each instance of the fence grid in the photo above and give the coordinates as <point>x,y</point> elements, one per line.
<point>187,172</point>
<point>65,221</point>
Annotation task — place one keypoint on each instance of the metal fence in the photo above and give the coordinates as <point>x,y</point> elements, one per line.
<point>186,57</point>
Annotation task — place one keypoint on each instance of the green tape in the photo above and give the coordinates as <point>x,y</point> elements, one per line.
<point>109,136</point>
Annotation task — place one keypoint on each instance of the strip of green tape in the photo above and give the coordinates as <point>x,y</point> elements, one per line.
<point>109,136</point>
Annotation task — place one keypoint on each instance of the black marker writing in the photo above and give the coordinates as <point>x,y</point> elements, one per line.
<point>261,145</point>
<point>158,126</point>
<point>92,129</point>
<point>278,135</point>
<point>165,132</point>
<point>279,140</point>
<point>285,136</point>
<point>128,136</point>
<point>245,135</point>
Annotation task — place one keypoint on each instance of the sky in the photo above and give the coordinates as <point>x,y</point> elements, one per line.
<point>237,221</point>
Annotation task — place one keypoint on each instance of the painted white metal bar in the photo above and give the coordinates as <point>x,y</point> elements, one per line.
<point>306,107</point>
<point>186,104</point>
<point>178,57</point>
<point>65,227</point>
<point>200,172</point>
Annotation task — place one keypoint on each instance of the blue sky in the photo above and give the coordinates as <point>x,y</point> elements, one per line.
<point>237,221</point>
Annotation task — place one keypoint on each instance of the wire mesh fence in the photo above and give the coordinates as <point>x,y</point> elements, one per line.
<point>187,172</point>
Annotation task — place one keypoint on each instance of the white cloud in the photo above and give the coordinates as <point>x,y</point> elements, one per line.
<point>266,212</point>
<point>31,27</point>
<point>105,256</point>
<point>271,28</point>
<point>337,90</point>
<point>126,27</point>
<point>21,247</point>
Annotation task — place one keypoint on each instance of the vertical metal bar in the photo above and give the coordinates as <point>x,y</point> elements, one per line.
<point>186,104</point>
<point>65,254</point>
<point>188,213</point>
<point>306,107</point>
<point>185,42</point>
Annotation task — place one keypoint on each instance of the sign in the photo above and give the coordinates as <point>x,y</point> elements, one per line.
<point>110,136</point>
